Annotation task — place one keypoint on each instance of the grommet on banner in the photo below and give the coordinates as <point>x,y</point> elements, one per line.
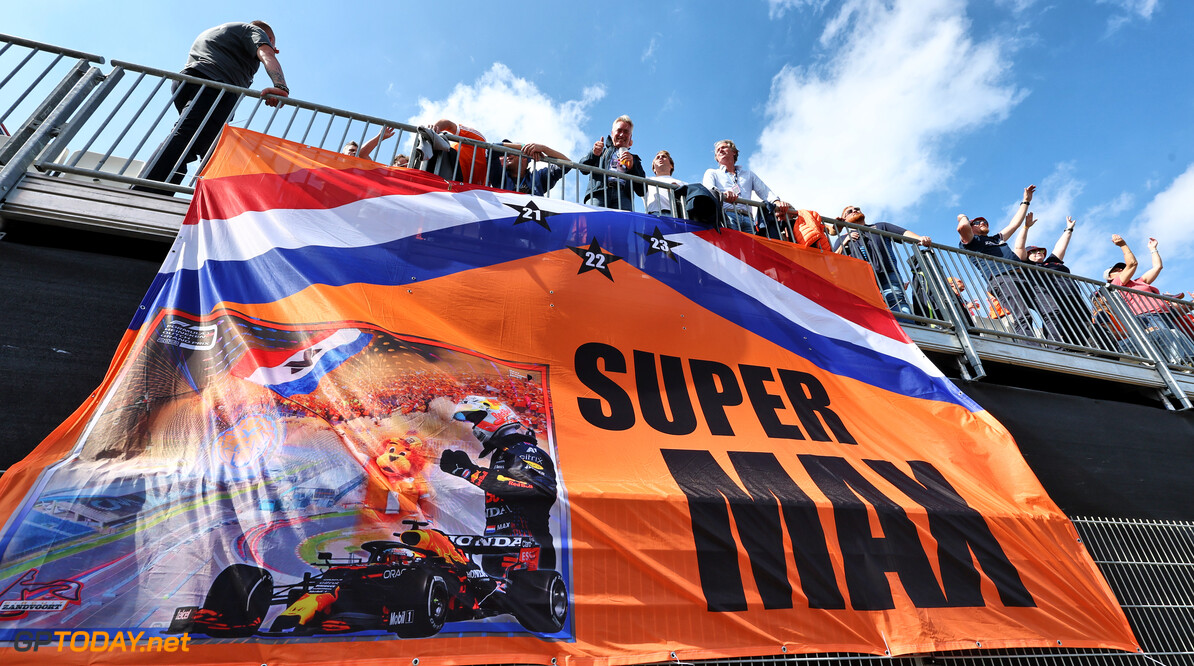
<point>415,661</point>
<point>783,648</point>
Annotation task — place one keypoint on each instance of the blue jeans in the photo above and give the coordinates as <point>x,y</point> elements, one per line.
<point>1163,332</point>
<point>739,221</point>
<point>892,288</point>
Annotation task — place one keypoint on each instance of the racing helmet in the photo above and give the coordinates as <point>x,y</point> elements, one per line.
<point>493,423</point>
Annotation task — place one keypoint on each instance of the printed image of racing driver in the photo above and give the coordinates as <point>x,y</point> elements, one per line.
<point>519,484</point>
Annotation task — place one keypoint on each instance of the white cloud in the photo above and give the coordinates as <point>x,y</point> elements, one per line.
<point>649,52</point>
<point>504,106</point>
<point>872,126</point>
<point>1142,8</point>
<point>668,104</point>
<point>1017,6</point>
<point>1169,217</point>
<point>1090,250</point>
<point>1106,211</point>
<point>1128,10</point>
<point>1053,201</point>
<point>777,8</point>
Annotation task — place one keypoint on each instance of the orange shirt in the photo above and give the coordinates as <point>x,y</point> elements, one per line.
<point>472,161</point>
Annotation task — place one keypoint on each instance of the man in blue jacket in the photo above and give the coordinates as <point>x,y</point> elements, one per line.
<point>613,153</point>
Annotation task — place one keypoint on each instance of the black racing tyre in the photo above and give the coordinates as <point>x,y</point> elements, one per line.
<point>420,608</point>
<point>538,600</point>
<point>240,597</point>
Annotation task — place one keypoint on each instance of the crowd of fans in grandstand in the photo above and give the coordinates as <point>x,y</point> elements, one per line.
<point>1041,308</point>
<point>344,399</point>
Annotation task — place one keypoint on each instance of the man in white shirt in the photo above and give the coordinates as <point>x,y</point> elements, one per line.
<point>734,182</point>
<point>659,199</point>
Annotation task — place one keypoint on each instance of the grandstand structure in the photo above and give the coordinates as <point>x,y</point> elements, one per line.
<point>1099,405</point>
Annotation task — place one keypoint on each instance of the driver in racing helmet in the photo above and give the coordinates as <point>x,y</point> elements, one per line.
<point>519,484</point>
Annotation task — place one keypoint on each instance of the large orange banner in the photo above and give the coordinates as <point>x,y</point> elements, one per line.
<point>363,413</point>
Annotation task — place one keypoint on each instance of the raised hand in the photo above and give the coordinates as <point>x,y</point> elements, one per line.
<point>456,463</point>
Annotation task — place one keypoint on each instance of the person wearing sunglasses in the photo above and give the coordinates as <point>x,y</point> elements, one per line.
<point>877,251</point>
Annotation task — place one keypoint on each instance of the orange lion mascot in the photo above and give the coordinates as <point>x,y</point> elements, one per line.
<point>397,474</point>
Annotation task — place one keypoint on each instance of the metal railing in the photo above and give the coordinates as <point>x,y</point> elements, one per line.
<point>978,296</point>
<point>479,156</point>
<point>112,128</point>
<point>42,86</point>
<point>109,127</point>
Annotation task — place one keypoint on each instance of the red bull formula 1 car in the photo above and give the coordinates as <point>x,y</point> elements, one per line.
<point>410,587</point>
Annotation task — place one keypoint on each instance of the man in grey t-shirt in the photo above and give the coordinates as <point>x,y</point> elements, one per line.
<point>228,53</point>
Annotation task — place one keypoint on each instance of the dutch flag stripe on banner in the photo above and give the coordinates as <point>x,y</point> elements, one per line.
<point>296,372</point>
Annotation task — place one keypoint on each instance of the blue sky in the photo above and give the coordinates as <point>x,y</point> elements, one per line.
<point>915,110</point>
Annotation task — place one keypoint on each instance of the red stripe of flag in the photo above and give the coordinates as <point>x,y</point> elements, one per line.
<point>315,189</point>
<point>806,282</point>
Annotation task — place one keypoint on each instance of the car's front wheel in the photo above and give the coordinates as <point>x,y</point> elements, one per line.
<point>238,599</point>
<point>420,607</point>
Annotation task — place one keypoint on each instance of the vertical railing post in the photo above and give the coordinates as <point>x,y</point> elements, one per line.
<point>43,111</point>
<point>1128,320</point>
<point>941,292</point>
<point>14,169</point>
<point>85,110</point>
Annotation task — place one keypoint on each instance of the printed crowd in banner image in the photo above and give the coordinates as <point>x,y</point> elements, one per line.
<point>304,446</point>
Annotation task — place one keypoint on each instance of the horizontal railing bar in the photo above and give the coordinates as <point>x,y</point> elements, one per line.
<point>46,165</point>
<point>924,320</point>
<point>250,92</point>
<point>970,253</point>
<point>42,46</point>
<point>577,166</point>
